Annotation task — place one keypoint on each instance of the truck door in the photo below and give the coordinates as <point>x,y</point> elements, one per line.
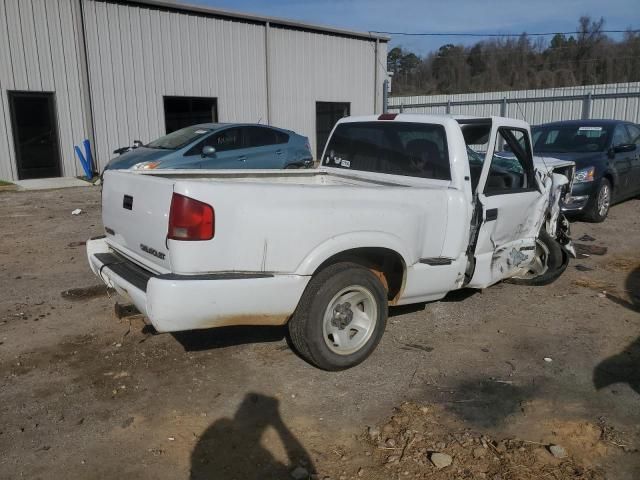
<point>509,207</point>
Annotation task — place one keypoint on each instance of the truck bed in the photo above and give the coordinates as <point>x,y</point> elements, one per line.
<point>320,176</point>
<point>276,221</point>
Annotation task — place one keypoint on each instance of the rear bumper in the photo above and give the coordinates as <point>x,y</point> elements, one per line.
<point>186,302</point>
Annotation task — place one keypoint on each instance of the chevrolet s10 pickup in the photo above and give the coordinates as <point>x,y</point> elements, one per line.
<point>402,209</point>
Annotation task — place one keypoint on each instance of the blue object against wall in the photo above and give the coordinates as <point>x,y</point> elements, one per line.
<point>86,160</point>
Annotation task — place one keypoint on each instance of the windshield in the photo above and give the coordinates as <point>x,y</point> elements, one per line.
<point>571,138</point>
<point>179,138</point>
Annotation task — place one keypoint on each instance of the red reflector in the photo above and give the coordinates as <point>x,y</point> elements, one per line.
<point>190,219</point>
<point>387,116</point>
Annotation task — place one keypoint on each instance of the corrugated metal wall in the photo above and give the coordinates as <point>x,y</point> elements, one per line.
<point>528,104</point>
<point>307,67</point>
<point>40,52</point>
<point>137,55</point>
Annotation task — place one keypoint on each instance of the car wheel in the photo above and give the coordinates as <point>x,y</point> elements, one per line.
<point>548,264</point>
<point>340,318</point>
<point>598,207</point>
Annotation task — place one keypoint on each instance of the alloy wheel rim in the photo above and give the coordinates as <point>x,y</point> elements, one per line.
<point>349,320</point>
<point>603,200</point>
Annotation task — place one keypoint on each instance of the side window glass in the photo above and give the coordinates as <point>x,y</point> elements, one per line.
<point>511,168</point>
<point>260,136</point>
<point>476,138</point>
<point>634,133</point>
<point>281,137</point>
<point>229,139</point>
<point>620,136</point>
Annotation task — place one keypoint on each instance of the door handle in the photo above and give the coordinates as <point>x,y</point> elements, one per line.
<point>242,158</point>
<point>279,152</point>
<point>492,214</point>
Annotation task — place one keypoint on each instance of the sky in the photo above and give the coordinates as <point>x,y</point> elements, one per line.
<point>442,16</point>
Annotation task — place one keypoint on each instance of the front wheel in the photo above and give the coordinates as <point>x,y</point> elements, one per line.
<point>597,208</point>
<point>548,264</point>
<point>340,318</point>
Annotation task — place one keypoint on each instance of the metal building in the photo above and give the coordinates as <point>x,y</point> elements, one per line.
<point>114,71</point>
<point>618,101</point>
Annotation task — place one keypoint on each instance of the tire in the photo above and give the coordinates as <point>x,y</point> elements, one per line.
<point>325,308</point>
<point>598,206</point>
<point>555,262</point>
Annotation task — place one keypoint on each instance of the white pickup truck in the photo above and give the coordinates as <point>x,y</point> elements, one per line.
<point>401,210</point>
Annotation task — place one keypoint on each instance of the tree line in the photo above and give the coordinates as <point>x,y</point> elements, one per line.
<point>518,63</point>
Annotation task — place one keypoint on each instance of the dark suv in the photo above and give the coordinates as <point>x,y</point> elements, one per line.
<point>607,157</point>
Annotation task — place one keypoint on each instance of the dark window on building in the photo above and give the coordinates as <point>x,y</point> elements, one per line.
<point>327,115</point>
<point>397,148</point>
<point>35,134</point>
<point>180,112</point>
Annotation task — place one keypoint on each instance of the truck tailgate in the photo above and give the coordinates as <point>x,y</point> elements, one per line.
<point>135,214</point>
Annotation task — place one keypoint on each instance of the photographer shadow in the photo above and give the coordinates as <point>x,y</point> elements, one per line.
<point>232,448</point>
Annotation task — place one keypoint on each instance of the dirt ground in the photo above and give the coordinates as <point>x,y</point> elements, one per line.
<point>490,379</point>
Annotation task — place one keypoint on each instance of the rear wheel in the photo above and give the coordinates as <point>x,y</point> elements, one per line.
<point>341,317</point>
<point>548,264</point>
<point>598,207</point>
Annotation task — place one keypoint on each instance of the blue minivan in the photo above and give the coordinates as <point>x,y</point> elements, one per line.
<point>219,145</point>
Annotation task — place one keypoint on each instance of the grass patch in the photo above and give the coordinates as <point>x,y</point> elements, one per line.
<point>4,183</point>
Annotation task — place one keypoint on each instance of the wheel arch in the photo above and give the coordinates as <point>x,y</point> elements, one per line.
<point>386,264</point>
<point>609,175</point>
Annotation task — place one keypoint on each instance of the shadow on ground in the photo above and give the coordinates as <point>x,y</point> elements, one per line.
<point>487,403</point>
<point>196,340</point>
<point>632,286</point>
<point>621,368</point>
<point>460,295</point>
<point>235,447</point>
<point>625,366</point>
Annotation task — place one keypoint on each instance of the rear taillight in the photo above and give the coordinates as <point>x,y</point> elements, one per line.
<point>190,219</point>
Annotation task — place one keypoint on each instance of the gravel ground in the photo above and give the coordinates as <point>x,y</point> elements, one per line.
<point>86,395</point>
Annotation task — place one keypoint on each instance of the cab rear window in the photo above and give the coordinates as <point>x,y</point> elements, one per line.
<point>396,148</point>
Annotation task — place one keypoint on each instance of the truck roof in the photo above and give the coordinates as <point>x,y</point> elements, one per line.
<point>437,118</point>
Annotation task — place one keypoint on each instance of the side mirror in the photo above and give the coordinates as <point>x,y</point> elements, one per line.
<point>137,143</point>
<point>208,151</point>
<point>624,147</point>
